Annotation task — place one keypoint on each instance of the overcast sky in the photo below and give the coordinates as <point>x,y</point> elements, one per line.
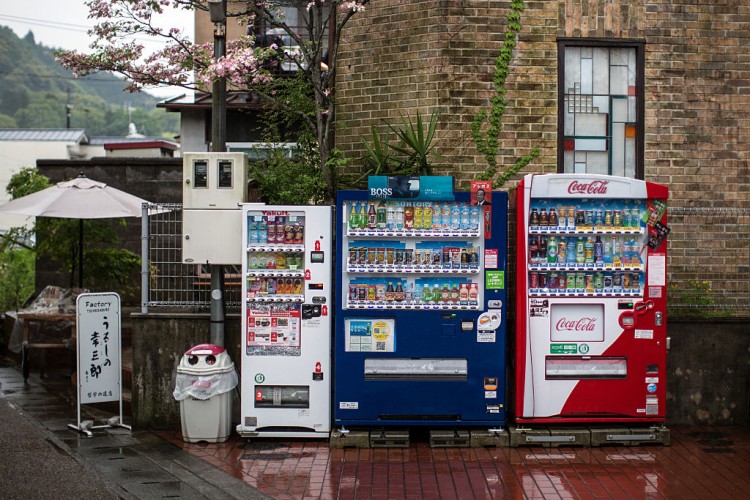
<point>63,24</point>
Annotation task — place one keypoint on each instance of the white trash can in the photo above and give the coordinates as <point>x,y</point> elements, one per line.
<point>204,383</point>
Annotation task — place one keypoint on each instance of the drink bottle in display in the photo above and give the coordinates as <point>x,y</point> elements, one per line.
<point>534,219</point>
<point>598,250</point>
<point>399,217</point>
<point>465,217</point>
<point>390,216</point>
<point>353,217</point>
<point>542,249</point>
<point>570,250</point>
<point>589,251</point>
<point>427,215</point>
<point>562,251</point>
<point>534,249</point>
<point>372,217</point>
<point>409,216</point>
<point>552,219</point>
<point>445,216</point>
<point>474,218</point>
<point>607,254</point>
<point>437,211</point>
<point>543,218</point>
<point>552,250</point>
<point>418,216</point>
<point>455,216</point>
<point>580,251</point>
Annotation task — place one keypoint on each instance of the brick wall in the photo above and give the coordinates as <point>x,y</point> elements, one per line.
<point>404,56</point>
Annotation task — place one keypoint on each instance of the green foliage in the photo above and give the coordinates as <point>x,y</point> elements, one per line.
<point>692,298</point>
<point>285,181</point>
<point>410,156</point>
<point>417,144</point>
<point>16,277</point>
<point>107,266</point>
<point>34,92</point>
<point>26,181</point>
<point>487,141</point>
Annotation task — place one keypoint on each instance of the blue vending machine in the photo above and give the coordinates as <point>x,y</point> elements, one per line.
<point>421,309</point>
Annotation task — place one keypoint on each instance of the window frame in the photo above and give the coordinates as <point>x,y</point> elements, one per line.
<point>640,79</point>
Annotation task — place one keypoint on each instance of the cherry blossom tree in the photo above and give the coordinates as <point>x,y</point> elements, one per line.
<point>123,24</point>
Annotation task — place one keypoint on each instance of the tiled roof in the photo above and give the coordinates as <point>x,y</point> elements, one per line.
<point>77,135</point>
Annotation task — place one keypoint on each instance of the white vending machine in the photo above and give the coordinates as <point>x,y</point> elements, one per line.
<point>286,321</point>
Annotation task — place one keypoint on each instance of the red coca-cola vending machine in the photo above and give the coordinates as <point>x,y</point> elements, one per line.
<point>591,333</point>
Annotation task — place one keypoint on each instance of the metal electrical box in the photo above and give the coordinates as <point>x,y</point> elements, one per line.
<point>214,184</point>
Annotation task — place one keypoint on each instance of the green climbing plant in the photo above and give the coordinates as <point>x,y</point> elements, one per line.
<point>485,127</point>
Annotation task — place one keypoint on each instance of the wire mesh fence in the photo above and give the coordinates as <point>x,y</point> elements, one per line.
<point>708,268</point>
<point>166,281</point>
<point>709,262</point>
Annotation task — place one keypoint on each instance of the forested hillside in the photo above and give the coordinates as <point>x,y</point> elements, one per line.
<point>35,92</point>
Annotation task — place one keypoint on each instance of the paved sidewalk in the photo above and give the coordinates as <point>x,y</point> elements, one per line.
<point>43,458</point>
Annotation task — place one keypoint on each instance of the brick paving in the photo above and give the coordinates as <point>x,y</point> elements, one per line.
<point>701,462</point>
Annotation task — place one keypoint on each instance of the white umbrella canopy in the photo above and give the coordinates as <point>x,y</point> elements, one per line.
<point>80,198</point>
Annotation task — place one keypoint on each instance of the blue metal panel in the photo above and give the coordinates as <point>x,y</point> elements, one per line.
<point>422,339</point>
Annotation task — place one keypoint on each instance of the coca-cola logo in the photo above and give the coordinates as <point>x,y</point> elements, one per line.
<point>576,325</point>
<point>593,187</point>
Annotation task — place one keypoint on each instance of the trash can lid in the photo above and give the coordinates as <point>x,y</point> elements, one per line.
<point>205,349</point>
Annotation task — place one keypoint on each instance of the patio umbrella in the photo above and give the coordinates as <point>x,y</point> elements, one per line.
<point>80,198</point>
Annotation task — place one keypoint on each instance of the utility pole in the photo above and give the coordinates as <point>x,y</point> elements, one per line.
<point>217,10</point>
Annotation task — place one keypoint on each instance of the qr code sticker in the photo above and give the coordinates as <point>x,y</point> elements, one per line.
<point>380,346</point>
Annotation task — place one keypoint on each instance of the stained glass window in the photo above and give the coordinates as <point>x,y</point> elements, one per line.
<point>601,108</point>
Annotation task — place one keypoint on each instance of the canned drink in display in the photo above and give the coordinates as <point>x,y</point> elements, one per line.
<point>352,291</point>
<point>571,222</point>
<point>372,292</point>
<point>418,257</point>
<point>626,281</point>
<point>589,218</point>
<point>617,282</point>
<point>361,292</point>
<point>571,278</point>
<point>562,281</point>
<point>608,282</point>
<point>533,280</point>
<point>426,257</point>
<point>379,256</point>
<point>580,282</point>
<point>399,257</point>
<point>608,218</point>
<point>288,234</point>
<point>272,231</point>
<point>598,282</point>
<point>352,255</point>
<point>552,281</point>
<point>598,218</point>
<point>626,218</point>
<point>617,218</point>
<point>543,284</point>
<point>408,257</point>
<point>380,291</point>
<point>635,281</point>
<point>299,233</point>
<point>437,256</point>
<point>589,283</point>
<point>580,218</point>
<point>446,256</point>
<point>390,256</point>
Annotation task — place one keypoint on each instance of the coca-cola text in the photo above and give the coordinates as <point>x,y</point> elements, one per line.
<point>593,187</point>
<point>576,325</point>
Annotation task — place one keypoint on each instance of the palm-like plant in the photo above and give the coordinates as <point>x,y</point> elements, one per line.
<point>416,144</point>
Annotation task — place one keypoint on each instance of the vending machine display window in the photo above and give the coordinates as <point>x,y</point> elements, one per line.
<point>579,322</point>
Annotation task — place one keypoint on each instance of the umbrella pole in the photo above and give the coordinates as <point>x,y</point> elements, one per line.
<point>80,253</point>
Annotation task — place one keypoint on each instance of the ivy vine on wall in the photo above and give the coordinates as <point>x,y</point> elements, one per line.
<point>487,141</point>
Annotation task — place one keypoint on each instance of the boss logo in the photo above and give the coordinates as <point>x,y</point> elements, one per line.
<point>380,192</point>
